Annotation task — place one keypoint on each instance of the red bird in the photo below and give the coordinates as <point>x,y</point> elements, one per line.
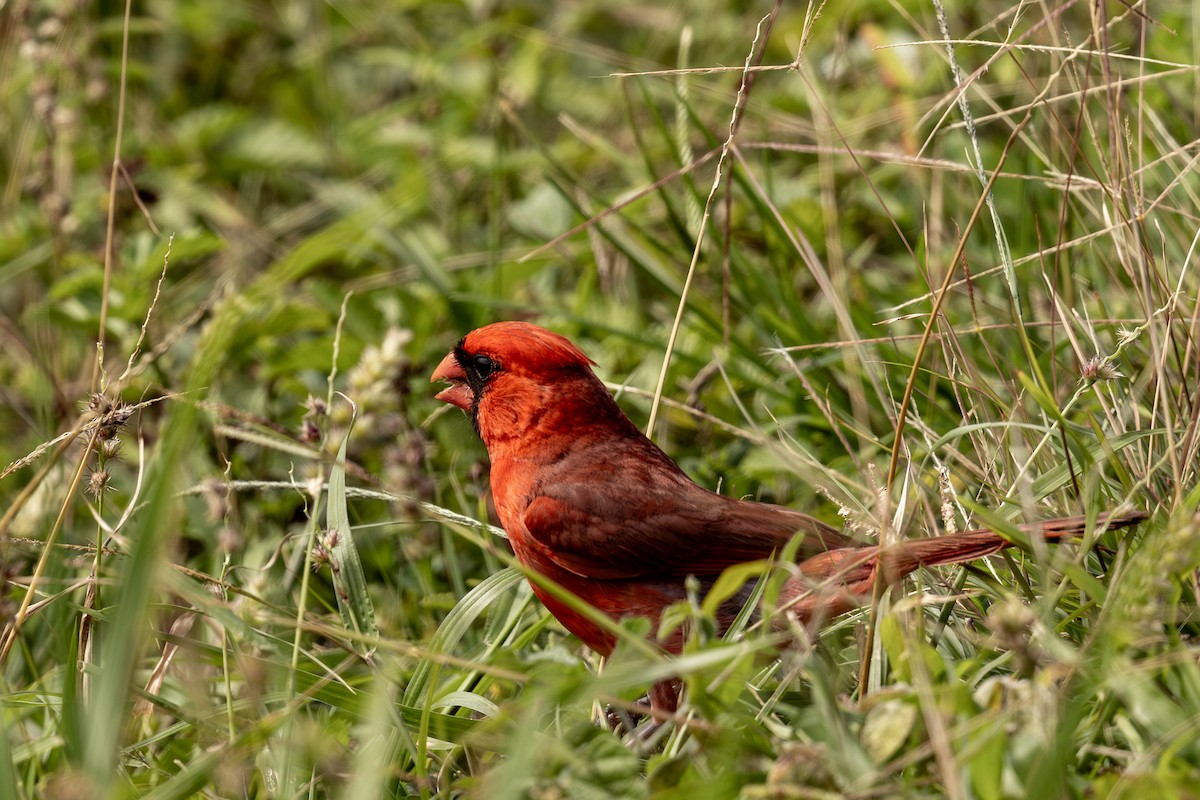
<point>591,503</point>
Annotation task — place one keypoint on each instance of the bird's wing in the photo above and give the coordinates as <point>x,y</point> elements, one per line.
<point>609,530</point>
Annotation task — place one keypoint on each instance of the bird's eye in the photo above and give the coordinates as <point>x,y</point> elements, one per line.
<point>483,366</point>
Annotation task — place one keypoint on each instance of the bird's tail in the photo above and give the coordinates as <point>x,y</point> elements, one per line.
<point>838,580</point>
<point>970,545</point>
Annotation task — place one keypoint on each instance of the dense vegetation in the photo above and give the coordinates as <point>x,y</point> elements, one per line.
<point>245,554</point>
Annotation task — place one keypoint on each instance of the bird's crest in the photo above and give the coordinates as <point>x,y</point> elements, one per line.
<point>521,344</point>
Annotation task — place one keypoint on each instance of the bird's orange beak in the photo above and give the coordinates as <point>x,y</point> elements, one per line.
<point>458,393</point>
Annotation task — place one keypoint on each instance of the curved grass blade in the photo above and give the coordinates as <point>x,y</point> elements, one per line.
<point>457,623</point>
<point>349,583</point>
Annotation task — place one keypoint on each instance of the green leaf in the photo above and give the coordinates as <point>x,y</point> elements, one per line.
<point>887,727</point>
<point>731,581</point>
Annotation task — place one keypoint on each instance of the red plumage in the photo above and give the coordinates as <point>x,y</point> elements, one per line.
<point>591,503</point>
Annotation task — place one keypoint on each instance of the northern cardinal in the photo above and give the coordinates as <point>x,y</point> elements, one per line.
<point>591,503</point>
